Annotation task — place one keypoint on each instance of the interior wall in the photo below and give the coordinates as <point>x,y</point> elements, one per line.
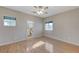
<point>66,27</point>
<point>13,34</point>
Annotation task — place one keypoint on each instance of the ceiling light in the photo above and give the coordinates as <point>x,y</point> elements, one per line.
<point>40,10</point>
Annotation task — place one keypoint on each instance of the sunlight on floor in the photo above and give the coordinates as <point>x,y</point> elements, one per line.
<point>47,46</point>
<point>39,43</point>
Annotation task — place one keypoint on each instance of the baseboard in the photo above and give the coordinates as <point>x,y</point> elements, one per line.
<point>11,42</point>
<point>73,43</point>
<point>15,41</point>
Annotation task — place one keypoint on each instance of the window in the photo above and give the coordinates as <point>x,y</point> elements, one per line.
<point>9,21</point>
<point>49,25</point>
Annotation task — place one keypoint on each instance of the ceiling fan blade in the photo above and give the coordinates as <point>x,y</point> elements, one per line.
<point>46,12</point>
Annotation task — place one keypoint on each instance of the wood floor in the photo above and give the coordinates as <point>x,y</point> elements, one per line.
<point>40,45</point>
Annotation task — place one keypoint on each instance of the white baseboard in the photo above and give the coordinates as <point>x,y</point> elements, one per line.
<point>74,43</point>
<point>15,41</point>
<point>10,42</point>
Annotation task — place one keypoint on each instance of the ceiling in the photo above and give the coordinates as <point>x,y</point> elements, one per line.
<point>52,10</point>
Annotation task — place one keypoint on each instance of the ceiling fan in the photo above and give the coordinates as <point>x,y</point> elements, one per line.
<point>40,10</point>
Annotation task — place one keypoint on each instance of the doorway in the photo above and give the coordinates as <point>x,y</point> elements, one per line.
<point>30,26</point>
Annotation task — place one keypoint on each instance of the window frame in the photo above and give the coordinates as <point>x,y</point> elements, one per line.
<point>48,26</point>
<point>9,21</point>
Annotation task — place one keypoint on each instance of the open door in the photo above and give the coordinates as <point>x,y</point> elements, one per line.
<point>30,25</point>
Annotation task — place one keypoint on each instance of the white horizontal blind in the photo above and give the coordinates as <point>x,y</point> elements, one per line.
<point>49,25</point>
<point>9,21</point>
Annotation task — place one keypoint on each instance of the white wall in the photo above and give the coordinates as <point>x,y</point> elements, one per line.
<point>18,33</point>
<point>66,27</point>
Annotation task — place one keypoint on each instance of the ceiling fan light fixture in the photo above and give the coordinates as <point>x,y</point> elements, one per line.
<point>40,10</point>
